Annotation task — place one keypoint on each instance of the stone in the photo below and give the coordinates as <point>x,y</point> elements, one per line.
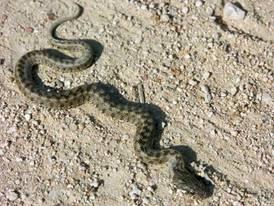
<point>233,12</point>
<point>193,82</point>
<point>29,29</point>
<point>27,117</point>
<point>233,90</point>
<point>199,3</point>
<point>144,7</point>
<point>12,195</point>
<point>95,183</point>
<point>207,94</point>
<point>185,10</point>
<point>67,83</point>
<point>206,75</point>
<point>267,99</point>
<point>165,18</point>
<point>135,192</point>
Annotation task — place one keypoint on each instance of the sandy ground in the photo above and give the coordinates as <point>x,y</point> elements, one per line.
<point>212,80</point>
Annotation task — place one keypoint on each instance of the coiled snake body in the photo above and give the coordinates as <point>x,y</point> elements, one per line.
<point>145,123</point>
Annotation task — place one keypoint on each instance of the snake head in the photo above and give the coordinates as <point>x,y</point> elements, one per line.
<point>188,181</point>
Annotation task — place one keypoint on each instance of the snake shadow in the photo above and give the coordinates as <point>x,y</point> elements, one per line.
<point>96,46</point>
<point>187,152</point>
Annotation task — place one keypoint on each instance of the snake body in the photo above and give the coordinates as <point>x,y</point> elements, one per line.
<point>145,122</point>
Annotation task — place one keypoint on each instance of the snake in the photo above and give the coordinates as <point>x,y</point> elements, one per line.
<point>146,123</point>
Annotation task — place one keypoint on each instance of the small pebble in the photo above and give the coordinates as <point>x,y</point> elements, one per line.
<point>206,75</point>
<point>163,125</point>
<point>233,12</point>
<point>193,82</point>
<point>19,159</point>
<point>12,195</point>
<point>165,18</point>
<point>144,7</point>
<point>152,6</point>
<point>234,133</point>
<point>67,83</point>
<point>185,10</point>
<point>27,117</point>
<point>233,91</point>
<point>95,183</point>
<point>198,3</point>
<point>207,95</point>
<point>29,29</point>
<point>267,99</point>
<point>135,192</point>
<point>12,130</point>
<point>209,11</point>
<point>125,137</point>
<point>223,94</point>
<point>187,56</point>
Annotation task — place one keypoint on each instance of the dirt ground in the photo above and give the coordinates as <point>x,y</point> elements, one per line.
<point>211,78</point>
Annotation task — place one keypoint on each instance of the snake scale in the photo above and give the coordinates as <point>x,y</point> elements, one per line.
<point>145,122</point>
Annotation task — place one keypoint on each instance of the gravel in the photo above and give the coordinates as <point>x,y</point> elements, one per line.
<point>210,81</point>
